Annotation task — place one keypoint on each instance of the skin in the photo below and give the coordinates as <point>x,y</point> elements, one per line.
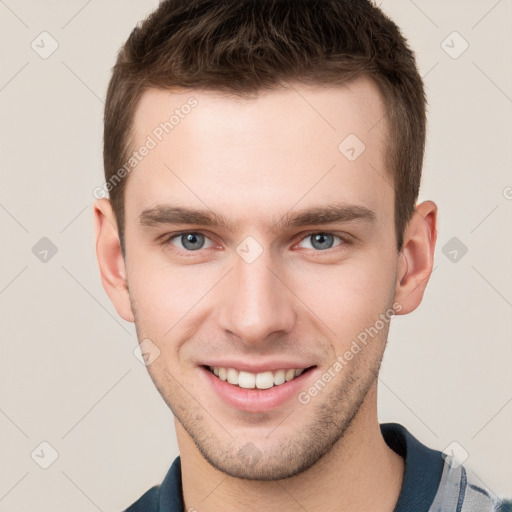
<point>253,161</point>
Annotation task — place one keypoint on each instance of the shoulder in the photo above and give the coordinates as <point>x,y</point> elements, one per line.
<point>436,481</point>
<point>461,490</point>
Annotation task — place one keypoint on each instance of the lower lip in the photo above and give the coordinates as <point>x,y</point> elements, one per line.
<point>256,400</point>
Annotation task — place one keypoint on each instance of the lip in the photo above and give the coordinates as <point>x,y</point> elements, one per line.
<point>256,400</point>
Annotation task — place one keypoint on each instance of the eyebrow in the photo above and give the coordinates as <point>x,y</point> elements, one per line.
<point>327,214</point>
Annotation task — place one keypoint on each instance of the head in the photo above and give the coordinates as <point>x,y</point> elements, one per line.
<point>263,165</point>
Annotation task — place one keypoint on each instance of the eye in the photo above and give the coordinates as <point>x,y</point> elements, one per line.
<point>322,241</point>
<point>189,241</point>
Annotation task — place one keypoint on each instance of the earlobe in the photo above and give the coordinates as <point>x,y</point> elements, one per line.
<point>110,259</point>
<point>416,258</point>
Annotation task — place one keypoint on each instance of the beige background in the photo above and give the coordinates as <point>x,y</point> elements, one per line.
<point>68,374</point>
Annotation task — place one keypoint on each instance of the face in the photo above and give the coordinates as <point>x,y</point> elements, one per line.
<point>260,240</point>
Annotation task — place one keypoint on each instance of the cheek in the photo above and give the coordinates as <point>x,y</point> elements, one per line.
<point>164,294</point>
<point>349,297</point>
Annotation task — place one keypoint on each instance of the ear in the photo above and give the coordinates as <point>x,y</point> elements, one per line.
<point>110,258</point>
<point>416,258</point>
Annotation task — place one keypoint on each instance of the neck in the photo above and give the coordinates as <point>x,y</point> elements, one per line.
<point>359,473</point>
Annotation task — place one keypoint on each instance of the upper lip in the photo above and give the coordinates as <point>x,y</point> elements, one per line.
<point>258,367</point>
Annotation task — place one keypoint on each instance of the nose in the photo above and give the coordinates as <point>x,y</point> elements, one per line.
<point>256,305</point>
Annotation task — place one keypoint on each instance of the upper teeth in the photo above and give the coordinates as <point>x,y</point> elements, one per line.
<point>248,380</point>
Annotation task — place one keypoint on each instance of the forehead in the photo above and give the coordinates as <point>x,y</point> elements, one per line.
<point>306,144</point>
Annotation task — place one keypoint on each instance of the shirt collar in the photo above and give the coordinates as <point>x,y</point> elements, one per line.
<point>423,468</point>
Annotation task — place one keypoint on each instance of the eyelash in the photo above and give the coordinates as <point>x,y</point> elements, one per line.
<point>344,240</point>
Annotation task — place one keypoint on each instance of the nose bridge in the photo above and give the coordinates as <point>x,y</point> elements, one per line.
<point>256,302</point>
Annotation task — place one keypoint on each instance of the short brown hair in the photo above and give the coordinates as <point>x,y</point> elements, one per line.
<point>244,46</point>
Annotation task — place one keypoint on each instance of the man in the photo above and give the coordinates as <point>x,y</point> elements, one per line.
<point>263,161</point>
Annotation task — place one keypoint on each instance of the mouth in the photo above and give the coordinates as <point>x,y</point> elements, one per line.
<point>256,387</point>
<point>258,381</point>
